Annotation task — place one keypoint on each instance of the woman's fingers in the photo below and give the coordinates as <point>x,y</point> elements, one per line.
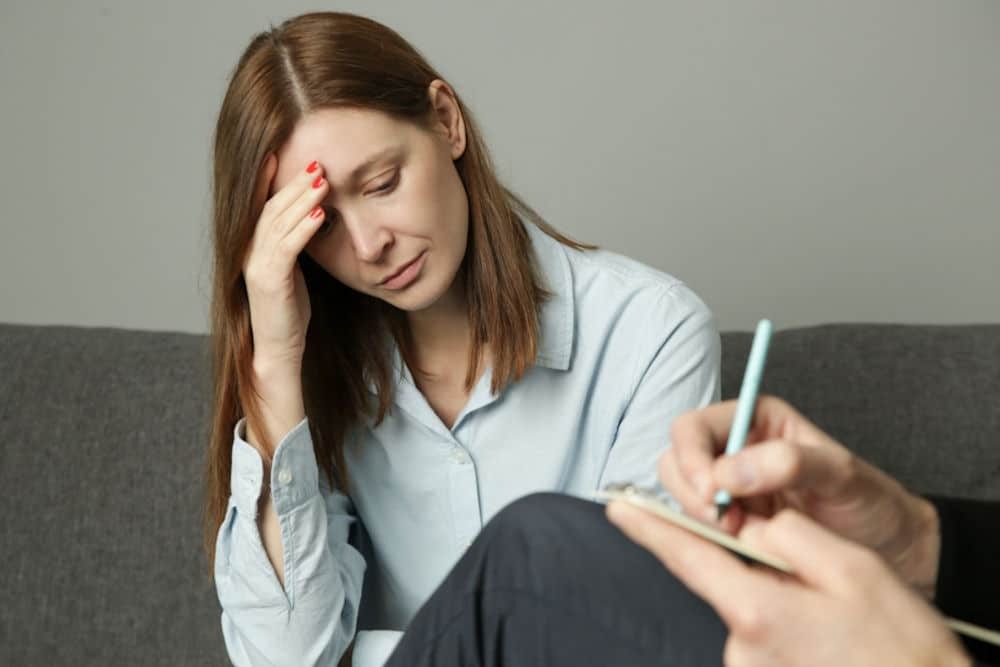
<point>299,236</point>
<point>282,211</point>
<point>311,188</point>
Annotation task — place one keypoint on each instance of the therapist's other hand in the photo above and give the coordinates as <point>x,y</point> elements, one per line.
<point>844,606</point>
<point>790,463</point>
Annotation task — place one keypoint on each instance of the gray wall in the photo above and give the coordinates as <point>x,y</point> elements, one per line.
<point>808,161</point>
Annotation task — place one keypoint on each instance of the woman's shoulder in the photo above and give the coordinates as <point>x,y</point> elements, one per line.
<point>610,273</point>
<point>599,283</point>
<point>624,304</point>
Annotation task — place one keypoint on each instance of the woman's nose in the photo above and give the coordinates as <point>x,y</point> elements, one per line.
<point>369,238</point>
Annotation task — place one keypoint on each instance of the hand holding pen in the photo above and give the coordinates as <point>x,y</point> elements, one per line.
<point>786,461</point>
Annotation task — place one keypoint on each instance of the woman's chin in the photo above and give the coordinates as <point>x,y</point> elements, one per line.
<point>425,292</point>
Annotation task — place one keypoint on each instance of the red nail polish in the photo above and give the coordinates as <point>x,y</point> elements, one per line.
<point>312,167</point>
<point>318,182</point>
<point>316,212</point>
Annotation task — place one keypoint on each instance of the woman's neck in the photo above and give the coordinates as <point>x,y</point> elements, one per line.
<point>440,334</point>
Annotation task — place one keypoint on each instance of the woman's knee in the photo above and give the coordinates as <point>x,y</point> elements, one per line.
<point>540,518</point>
<point>541,538</point>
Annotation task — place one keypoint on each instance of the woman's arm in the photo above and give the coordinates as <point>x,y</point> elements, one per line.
<point>677,369</point>
<point>308,615</point>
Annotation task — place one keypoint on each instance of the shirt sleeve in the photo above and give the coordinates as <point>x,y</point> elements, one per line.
<point>968,585</point>
<point>677,369</point>
<point>312,619</point>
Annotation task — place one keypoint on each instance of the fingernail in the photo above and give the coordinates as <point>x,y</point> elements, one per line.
<point>318,182</point>
<point>312,167</point>
<point>316,212</point>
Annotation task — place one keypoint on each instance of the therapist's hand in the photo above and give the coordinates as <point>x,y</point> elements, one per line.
<point>790,463</point>
<point>843,607</point>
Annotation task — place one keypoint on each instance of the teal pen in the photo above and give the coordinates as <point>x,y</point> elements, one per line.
<point>747,402</point>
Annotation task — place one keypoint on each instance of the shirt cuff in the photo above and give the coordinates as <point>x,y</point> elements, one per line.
<point>294,473</point>
<point>372,648</point>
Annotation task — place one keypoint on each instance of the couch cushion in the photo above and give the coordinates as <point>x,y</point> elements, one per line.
<point>921,402</point>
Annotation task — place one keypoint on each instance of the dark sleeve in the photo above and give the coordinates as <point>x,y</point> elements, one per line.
<point>968,581</point>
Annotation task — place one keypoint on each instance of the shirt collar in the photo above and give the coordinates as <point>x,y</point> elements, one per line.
<point>556,317</point>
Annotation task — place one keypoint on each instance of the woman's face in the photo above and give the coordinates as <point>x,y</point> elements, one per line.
<point>397,228</point>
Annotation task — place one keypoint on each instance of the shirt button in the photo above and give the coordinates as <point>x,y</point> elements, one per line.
<point>284,476</point>
<point>458,456</point>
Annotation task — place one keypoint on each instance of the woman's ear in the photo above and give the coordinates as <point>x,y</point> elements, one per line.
<point>447,116</point>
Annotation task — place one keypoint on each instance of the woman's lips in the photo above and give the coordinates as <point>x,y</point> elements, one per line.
<point>406,275</point>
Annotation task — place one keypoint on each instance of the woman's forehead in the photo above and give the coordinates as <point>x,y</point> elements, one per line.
<point>340,139</point>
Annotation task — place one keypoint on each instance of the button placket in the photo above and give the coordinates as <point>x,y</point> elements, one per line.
<point>465,496</point>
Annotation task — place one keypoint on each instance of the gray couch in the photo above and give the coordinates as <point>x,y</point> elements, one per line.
<point>103,435</point>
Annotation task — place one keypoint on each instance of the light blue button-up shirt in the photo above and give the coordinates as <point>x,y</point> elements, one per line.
<point>623,350</point>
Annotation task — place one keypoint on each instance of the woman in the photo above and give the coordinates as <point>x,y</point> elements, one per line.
<point>382,312</point>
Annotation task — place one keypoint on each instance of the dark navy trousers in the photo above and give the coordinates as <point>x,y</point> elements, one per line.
<point>549,581</point>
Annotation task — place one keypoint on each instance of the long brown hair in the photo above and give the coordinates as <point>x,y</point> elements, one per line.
<point>323,60</point>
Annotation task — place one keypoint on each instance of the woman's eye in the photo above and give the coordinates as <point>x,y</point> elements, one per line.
<point>386,186</point>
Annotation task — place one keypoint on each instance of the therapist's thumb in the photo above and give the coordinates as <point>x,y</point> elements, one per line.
<point>780,465</point>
